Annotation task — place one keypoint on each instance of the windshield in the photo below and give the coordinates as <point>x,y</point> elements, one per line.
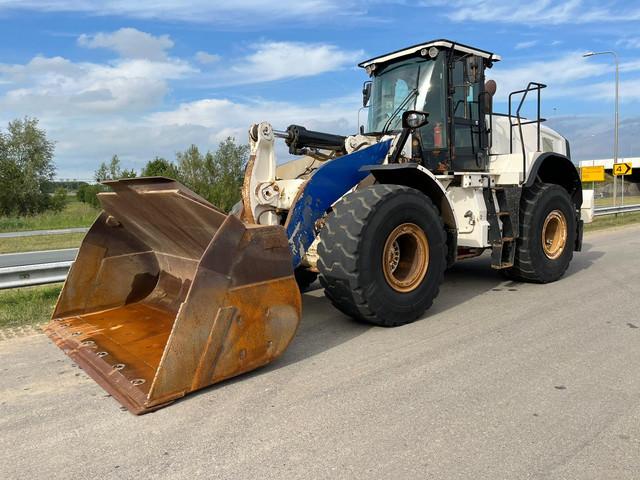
<point>395,90</point>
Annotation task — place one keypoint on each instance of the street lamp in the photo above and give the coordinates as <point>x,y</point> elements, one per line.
<point>615,139</point>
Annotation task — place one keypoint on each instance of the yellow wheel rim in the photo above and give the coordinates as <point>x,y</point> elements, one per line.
<point>405,258</point>
<point>554,234</point>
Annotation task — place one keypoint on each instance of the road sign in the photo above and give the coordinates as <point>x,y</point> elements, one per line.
<point>592,174</point>
<point>622,168</point>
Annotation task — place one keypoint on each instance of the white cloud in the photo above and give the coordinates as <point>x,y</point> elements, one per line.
<point>532,12</point>
<point>226,116</point>
<point>528,44</point>
<point>55,85</point>
<point>81,146</point>
<point>591,136</point>
<point>560,70</point>
<point>567,75</point>
<point>224,12</point>
<point>628,90</point>
<point>206,58</point>
<point>129,43</point>
<point>94,110</point>
<point>632,42</point>
<point>277,60</point>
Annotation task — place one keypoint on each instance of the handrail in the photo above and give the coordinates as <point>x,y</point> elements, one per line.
<point>531,86</point>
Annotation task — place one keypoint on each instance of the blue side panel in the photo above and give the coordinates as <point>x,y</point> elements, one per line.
<point>328,184</point>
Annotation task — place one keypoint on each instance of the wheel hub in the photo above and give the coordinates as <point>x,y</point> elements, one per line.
<point>554,234</point>
<point>405,259</point>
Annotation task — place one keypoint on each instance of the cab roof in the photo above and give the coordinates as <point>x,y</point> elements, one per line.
<point>441,43</point>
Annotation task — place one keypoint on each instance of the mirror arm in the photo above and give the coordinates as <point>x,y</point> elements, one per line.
<point>395,157</point>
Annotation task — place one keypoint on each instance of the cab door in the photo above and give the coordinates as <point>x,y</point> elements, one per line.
<point>467,124</point>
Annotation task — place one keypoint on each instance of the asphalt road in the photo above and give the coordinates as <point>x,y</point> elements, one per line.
<point>35,258</point>
<point>501,380</point>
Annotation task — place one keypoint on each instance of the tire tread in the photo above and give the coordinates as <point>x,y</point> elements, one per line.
<point>339,249</point>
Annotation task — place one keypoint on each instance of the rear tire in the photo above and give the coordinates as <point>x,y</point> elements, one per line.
<point>382,254</point>
<point>548,229</point>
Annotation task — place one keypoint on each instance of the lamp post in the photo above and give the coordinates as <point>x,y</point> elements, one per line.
<point>615,139</point>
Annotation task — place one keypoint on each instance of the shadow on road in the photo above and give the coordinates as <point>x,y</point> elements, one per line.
<point>584,259</point>
<point>323,327</point>
<point>465,280</point>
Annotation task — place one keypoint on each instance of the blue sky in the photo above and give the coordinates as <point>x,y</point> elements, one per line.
<point>141,79</point>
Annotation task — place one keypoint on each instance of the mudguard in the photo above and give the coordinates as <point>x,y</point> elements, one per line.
<point>332,180</point>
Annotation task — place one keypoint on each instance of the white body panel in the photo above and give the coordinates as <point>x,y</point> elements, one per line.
<point>506,162</point>
<point>471,216</point>
<point>588,205</point>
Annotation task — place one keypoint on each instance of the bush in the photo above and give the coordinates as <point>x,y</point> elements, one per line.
<point>59,199</point>
<point>89,194</point>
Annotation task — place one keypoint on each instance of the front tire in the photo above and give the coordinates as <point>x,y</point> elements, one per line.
<point>382,254</point>
<point>548,229</point>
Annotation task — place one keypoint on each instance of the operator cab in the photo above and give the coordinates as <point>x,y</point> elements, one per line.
<point>445,79</point>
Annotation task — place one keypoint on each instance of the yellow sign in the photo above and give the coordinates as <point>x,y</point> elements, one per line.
<point>622,168</point>
<point>592,174</point>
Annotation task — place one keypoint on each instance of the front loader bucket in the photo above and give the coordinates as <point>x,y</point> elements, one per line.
<point>169,295</point>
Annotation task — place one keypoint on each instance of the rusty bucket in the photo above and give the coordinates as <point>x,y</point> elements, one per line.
<point>169,295</point>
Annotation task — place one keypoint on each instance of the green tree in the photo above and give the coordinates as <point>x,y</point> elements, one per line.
<point>112,171</point>
<point>215,176</point>
<point>229,163</point>
<point>26,168</point>
<point>159,167</point>
<point>106,171</point>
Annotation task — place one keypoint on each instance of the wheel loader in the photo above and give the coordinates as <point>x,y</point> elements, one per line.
<point>169,294</point>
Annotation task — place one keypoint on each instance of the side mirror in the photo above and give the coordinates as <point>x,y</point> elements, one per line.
<point>473,69</point>
<point>366,93</point>
<point>413,119</point>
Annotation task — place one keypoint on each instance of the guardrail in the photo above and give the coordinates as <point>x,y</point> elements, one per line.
<point>599,211</point>
<point>51,266</point>
<point>35,268</point>
<point>35,233</point>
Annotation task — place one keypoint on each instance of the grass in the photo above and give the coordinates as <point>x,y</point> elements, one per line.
<point>28,305</point>
<point>75,214</point>
<point>609,221</point>
<point>40,242</point>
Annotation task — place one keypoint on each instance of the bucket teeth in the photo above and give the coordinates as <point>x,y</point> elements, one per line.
<point>169,295</point>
